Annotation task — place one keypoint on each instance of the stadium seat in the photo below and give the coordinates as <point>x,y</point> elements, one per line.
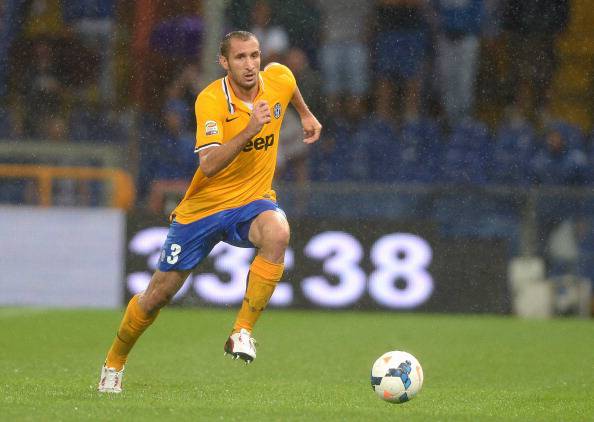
<point>572,134</point>
<point>4,124</point>
<point>568,168</point>
<point>513,147</point>
<point>148,131</point>
<point>462,167</point>
<point>367,150</point>
<point>94,126</point>
<point>163,157</point>
<point>420,151</point>
<point>325,162</point>
<point>469,132</point>
<point>379,143</point>
<point>590,155</point>
<point>466,159</point>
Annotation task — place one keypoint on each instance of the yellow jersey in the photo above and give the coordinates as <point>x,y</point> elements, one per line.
<point>220,116</point>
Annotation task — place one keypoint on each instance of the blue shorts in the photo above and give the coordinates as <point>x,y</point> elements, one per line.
<point>188,244</point>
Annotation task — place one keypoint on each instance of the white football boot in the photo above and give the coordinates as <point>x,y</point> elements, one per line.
<point>241,345</point>
<point>111,380</point>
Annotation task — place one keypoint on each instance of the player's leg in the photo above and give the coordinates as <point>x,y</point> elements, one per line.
<point>270,233</point>
<point>141,312</point>
<point>185,247</point>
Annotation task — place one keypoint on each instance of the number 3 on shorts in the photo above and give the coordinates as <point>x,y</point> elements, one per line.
<point>175,251</point>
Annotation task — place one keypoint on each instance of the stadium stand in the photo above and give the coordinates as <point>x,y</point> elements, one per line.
<point>67,88</point>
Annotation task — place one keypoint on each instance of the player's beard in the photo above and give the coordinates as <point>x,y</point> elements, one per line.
<point>248,85</point>
<point>242,83</point>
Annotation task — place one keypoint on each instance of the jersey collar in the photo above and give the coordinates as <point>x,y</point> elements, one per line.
<point>232,101</point>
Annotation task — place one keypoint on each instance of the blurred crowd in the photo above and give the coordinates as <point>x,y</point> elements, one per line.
<point>415,91</point>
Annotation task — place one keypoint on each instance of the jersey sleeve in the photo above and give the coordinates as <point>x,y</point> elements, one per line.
<point>284,75</point>
<point>209,122</point>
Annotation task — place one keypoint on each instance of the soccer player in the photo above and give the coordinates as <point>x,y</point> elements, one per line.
<point>230,198</point>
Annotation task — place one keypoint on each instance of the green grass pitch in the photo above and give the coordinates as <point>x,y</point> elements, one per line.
<point>311,366</point>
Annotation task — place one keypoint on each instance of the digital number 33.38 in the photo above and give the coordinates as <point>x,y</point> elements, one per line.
<point>395,257</point>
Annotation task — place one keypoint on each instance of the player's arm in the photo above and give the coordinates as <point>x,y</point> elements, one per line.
<point>311,127</point>
<point>215,159</point>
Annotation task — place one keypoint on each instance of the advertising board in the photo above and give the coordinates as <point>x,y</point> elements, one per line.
<point>62,257</point>
<point>343,264</point>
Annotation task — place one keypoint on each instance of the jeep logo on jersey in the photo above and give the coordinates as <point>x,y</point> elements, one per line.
<point>259,143</point>
<point>277,110</point>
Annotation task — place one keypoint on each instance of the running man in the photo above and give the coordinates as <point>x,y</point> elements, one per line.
<point>230,198</point>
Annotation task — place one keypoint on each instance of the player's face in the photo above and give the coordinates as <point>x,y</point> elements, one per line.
<point>243,63</point>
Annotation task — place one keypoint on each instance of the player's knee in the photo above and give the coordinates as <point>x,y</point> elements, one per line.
<point>276,238</point>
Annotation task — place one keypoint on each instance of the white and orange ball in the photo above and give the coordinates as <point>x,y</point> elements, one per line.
<point>396,376</point>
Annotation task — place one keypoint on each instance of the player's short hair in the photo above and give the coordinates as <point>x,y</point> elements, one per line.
<point>226,42</point>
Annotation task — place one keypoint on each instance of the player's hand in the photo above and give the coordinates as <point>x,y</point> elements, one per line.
<point>260,116</point>
<point>311,128</point>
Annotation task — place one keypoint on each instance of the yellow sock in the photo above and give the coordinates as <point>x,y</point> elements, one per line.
<point>133,324</point>
<point>262,279</point>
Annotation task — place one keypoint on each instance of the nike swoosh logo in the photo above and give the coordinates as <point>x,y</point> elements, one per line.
<point>230,120</point>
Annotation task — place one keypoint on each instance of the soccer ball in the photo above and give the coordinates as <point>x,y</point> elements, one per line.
<point>396,377</point>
